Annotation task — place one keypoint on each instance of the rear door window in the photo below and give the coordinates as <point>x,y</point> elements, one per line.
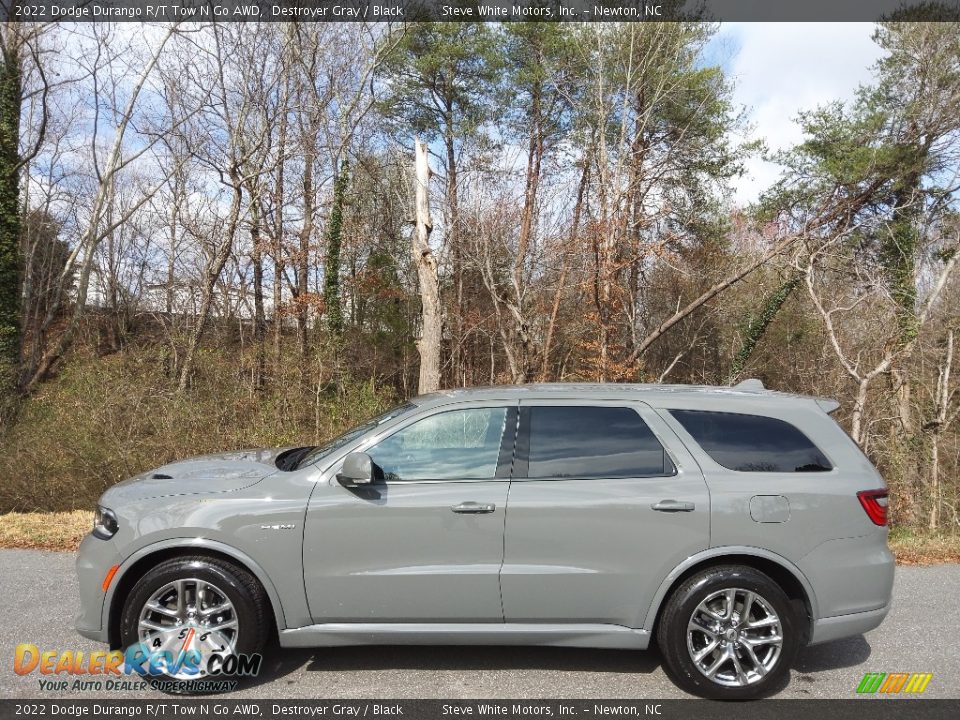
<point>580,442</point>
<point>752,443</point>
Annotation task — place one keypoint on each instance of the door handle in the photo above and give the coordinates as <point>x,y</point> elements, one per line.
<point>474,508</point>
<point>673,506</point>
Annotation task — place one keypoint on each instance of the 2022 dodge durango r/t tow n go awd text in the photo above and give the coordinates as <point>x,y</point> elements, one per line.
<point>728,525</point>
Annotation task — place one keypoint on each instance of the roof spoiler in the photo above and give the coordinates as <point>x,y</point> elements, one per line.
<point>827,404</point>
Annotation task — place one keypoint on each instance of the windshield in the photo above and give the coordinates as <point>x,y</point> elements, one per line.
<point>321,451</point>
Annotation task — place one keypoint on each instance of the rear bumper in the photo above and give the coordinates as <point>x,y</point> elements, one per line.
<point>850,575</point>
<point>842,626</point>
<point>853,580</point>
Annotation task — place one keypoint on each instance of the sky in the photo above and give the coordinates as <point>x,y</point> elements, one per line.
<point>782,68</point>
<point>778,69</point>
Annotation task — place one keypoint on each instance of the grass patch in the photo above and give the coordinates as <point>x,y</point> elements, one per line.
<point>45,531</point>
<point>65,530</point>
<point>924,548</point>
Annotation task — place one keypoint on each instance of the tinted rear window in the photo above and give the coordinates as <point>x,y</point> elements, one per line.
<point>752,443</point>
<point>593,442</point>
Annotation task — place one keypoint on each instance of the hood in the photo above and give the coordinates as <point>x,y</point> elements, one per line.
<point>216,473</point>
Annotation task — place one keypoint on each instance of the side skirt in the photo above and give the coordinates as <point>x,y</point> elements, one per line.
<point>586,635</point>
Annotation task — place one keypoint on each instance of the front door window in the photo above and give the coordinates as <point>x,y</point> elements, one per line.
<point>454,445</point>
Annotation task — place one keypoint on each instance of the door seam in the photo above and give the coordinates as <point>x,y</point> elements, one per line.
<point>506,506</point>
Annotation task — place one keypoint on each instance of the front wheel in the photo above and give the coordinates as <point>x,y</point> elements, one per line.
<point>188,615</point>
<point>729,632</point>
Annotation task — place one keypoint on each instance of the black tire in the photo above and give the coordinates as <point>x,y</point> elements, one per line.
<point>242,589</point>
<point>672,632</point>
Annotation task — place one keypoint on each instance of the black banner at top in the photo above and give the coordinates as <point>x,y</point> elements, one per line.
<point>475,10</point>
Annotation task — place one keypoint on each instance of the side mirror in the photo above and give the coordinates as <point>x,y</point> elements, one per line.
<point>357,470</point>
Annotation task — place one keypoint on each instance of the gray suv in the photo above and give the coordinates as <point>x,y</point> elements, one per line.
<point>729,525</point>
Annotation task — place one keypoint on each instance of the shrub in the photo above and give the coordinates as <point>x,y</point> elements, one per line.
<point>106,419</point>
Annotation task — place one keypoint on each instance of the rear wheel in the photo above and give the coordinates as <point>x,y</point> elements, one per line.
<point>729,632</point>
<point>188,610</point>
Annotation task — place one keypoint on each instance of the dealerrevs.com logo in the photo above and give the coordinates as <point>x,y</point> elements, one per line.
<point>135,668</point>
<point>894,683</point>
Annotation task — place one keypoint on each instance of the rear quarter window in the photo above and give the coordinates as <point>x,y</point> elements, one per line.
<point>752,443</point>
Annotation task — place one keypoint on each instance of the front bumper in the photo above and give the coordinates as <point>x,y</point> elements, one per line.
<point>94,559</point>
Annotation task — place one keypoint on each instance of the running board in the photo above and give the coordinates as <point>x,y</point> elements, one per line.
<point>586,636</point>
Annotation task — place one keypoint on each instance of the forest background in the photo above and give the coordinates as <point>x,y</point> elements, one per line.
<point>215,236</point>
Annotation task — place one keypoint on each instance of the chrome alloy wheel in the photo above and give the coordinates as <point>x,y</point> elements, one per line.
<point>185,622</point>
<point>734,637</point>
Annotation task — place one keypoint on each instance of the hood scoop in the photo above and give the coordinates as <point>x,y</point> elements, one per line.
<point>288,459</point>
<point>217,473</point>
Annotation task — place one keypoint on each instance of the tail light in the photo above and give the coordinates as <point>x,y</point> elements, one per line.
<point>874,504</point>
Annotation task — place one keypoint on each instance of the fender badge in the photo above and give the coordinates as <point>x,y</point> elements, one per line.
<point>285,526</point>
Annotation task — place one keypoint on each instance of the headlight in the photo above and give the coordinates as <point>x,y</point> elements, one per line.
<point>105,523</point>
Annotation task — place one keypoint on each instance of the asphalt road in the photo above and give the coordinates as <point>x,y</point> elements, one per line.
<point>38,598</point>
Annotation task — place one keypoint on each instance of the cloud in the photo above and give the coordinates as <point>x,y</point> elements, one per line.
<point>780,69</point>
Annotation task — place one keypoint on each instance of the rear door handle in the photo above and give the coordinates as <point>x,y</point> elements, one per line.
<point>673,506</point>
<point>474,508</point>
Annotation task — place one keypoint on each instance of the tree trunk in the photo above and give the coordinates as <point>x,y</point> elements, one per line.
<point>278,200</point>
<point>558,295</point>
<point>259,314</point>
<point>302,265</point>
<point>752,332</point>
<point>934,520</point>
<point>212,275</point>
<point>535,151</point>
<point>456,252</point>
<point>940,423</point>
<point>708,295</point>
<point>11,96</point>
<point>898,252</point>
<point>429,343</point>
<point>331,270</point>
<point>176,192</point>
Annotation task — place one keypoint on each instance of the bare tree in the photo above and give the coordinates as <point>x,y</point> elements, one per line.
<point>944,415</point>
<point>98,227</point>
<point>429,342</point>
<point>863,370</point>
<point>232,160</point>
